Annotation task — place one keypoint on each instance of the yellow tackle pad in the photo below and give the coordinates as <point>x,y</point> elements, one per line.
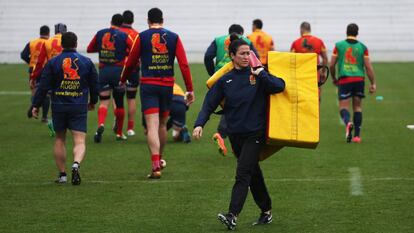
<point>293,115</point>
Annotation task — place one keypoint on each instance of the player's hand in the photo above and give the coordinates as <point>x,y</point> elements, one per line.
<point>91,107</point>
<point>198,132</point>
<point>256,71</point>
<point>372,88</point>
<point>35,112</point>
<point>32,83</point>
<point>189,97</point>
<point>122,85</point>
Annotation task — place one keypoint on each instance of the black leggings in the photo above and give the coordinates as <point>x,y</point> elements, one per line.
<point>248,173</point>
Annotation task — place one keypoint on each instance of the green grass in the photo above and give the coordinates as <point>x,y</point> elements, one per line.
<point>310,189</point>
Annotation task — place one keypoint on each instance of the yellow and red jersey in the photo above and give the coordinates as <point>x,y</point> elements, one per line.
<point>35,47</point>
<point>263,43</point>
<point>308,44</point>
<point>50,49</point>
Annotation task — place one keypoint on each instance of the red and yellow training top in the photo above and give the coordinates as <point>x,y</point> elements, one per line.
<point>263,43</point>
<point>308,44</point>
<point>49,50</point>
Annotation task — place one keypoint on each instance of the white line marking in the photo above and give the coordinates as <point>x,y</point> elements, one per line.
<point>15,93</point>
<point>356,184</point>
<point>165,181</point>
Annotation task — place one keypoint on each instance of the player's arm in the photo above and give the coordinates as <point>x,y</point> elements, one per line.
<point>272,45</point>
<point>185,71</point>
<point>93,86</point>
<point>41,60</point>
<point>333,65</point>
<point>25,54</point>
<point>44,86</point>
<point>132,60</point>
<point>93,46</point>
<point>324,57</point>
<point>370,74</point>
<point>209,56</point>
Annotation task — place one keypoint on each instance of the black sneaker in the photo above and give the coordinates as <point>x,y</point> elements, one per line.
<point>76,179</point>
<point>228,219</point>
<point>98,135</point>
<point>264,219</point>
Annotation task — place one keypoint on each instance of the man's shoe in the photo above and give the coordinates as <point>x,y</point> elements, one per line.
<point>98,135</point>
<point>44,120</point>
<point>348,132</point>
<point>185,135</point>
<point>61,179</point>
<point>220,143</point>
<point>130,132</point>
<point>121,137</point>
<point>264,218</point>
<point>76,179</point>
<point>154,174</point>
<point>356,139</point>
<point>228,219</point>
<point>51,129</point>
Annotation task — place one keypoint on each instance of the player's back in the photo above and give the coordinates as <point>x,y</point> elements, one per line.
<point>263,43</point>
<point>112,46</point>
<point>35,47</point>
<point>53,46</point>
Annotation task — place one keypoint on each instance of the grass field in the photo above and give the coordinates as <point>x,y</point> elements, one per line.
<point>312,190</point>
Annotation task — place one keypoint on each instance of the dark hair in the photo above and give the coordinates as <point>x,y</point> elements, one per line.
<point>128,17</point>
<point>236,28</point>
<point>44,30</point>
<point>235,43</point>
<point>60,28</point>
<point>117,20</point>
<point>258,23</point>
<point>69,40</point>
<point>352,30</point>
<point>155,15</point>
<point>305,26</point>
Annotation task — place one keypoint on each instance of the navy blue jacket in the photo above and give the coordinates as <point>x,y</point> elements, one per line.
<point>246,96</point>
<point>71,77</point>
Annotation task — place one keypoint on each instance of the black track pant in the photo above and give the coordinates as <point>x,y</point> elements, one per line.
<point>248,173</point>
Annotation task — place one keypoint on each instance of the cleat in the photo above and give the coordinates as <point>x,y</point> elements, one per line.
<point>220,143</point>
<point>61,180</point>
<point>163,164</point>
<point>114,126</point>
<point>51,129</point>
<point>356,139</point>
<point>228,219</point>
<point>98,135</point>
<point>121,137</point>
<point>76,180</point>
<point>44,120</point>
<point>185,135</point>
<point>154,175</point>
<point>264,218</point>
<point>130,132</point>
<point>348,132</point>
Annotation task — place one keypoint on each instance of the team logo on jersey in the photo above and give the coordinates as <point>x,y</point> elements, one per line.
<point>108,41</point>
<point>350,57</point>
<point>252,80</point>
<point>70,73</point>
<point>159,43</point>
<point>306,46</point>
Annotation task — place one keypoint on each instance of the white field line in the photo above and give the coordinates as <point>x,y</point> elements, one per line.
<point>270,180</point>
<point>356,182</point>
<point>15,93</point>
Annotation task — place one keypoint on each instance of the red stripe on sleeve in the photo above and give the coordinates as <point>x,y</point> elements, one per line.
<point>92,47</point>
<point>183,63</point>
<point>132,59</point>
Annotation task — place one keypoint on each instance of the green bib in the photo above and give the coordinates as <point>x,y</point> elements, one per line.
<point>222,52</point>
<point>350,59</point>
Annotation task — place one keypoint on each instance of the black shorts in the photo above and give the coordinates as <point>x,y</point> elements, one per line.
<point>109,77</point>
<point>156,99</point>
<point>69,120</point>
<point>348,90</point>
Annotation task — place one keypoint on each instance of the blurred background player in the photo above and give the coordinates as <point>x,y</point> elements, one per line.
<point>133,81</point>
<point>30,55</point>
<point>351,57</point>
<point>219,51</point>
<point>112,46</point>
<point>71,77</point>
<point>157,48</point>
<point>262,41</point>
<point>50,49</point>
<point>307,43</point>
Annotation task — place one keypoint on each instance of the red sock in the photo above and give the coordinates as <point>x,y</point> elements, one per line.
<point>120,114</point>
<point>102,111</point>
<point>155,162</point>
<point>131,124</point>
